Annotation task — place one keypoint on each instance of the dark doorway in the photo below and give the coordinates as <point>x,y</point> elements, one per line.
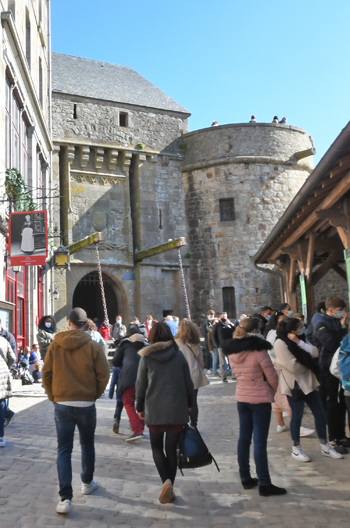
<point>87,295</point>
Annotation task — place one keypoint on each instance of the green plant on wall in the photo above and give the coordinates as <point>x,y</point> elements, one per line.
<point>18,192</point>
<point>183,147</point>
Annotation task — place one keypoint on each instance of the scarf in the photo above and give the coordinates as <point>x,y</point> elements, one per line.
<point>304,358</point>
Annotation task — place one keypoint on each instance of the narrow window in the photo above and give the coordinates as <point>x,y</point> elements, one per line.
<point>227,209</point>
<point>123,119</point>
<point>75,113</point>
<point>229,302</point>
<point>28,37</point>
<point>41,91</point>
<point>40,11</point>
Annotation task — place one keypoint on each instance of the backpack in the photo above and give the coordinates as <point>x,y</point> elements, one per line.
<point>344,367</point>
<point>27,378</point>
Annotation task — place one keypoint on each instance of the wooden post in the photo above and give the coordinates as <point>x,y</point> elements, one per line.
<point>292,296</point>
<point>310,296</point>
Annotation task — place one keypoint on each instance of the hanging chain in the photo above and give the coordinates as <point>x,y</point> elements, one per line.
<point>183,283</point>
<point>101,284</point>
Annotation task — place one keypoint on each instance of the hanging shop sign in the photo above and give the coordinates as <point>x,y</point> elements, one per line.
<point>28,238</point>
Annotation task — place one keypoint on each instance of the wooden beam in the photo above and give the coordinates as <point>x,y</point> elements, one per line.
<point>336,217</point>
<point>156,250</point>
<point>332,198</point>
<point>291,281</point>
<point>328,264</point>
<point>310,258</point>
<point>85,242</point>
<point>343,236</point>
<point>340,271</point>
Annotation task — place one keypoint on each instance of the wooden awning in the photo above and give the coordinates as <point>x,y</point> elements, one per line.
<point>312,234</point>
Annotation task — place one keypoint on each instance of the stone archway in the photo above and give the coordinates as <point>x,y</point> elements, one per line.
<point>87,295</point>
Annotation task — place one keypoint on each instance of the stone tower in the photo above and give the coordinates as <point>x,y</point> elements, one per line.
<point>238,180</point>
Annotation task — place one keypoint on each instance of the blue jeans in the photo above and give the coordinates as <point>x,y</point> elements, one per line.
<point>313,400</point>
<point>2,418</point>
<point>7,411</point>
<point>114,385</point>
<point>66,419</point>
<point>215,358</point>
<point>254,420</point>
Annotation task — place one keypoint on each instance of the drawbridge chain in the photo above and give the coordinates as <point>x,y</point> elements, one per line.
<point>183,283</point>
<point>101,284</point>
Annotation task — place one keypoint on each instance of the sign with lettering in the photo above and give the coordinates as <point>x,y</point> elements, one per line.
<point>28,238</point>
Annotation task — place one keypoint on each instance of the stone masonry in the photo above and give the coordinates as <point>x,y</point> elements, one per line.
<point>254,164</point>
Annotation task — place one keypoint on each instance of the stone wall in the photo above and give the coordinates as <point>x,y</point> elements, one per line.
<point>125,182</point>
<point>97,121</point>
<point>262,188</point>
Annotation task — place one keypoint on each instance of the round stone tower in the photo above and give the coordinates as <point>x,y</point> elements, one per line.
<point>239,179</point>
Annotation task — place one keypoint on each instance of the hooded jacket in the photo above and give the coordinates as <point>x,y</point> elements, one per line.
<point>126,357</point>
<point>164,388</point>
<point>257,379</point>
<point>75,368</point>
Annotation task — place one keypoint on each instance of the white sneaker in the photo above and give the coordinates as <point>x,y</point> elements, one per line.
<point>86,489</point>
<point>282,428</point>
<point>298,454</point>
<point>2,442</point>
<point>64,506</point>
<point>328,451</point>
<point>305,431</point>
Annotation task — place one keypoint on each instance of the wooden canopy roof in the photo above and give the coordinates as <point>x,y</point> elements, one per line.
<point>315,229</point>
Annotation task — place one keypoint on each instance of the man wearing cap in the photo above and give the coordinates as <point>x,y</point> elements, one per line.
<point>75,375</point>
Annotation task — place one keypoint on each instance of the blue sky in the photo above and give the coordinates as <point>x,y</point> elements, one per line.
<point>225,59</point>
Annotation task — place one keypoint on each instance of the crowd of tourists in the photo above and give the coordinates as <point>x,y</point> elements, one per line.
<point>278,362</point>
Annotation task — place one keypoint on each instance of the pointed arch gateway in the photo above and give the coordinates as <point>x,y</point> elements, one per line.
<point>87,295</point>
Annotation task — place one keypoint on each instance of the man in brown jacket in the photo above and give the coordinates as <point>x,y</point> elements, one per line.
<point>75,375</point>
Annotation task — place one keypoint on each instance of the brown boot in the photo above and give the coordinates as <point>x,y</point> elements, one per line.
<point>167,494</point>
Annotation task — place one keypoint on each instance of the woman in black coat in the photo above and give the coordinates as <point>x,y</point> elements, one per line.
<point>164,397</point>
<point>127,359</point>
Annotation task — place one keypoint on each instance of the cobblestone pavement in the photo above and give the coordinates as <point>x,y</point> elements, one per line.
<point>129,486</point>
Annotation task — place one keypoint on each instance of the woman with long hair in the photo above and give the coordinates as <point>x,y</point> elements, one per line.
<point>256,385</point>
<point>46,334</point>
<point>188,341</point>
<point>298,380</point>
<point>164,397</point>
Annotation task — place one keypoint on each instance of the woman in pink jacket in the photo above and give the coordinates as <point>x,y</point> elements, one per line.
<point>257,383</point>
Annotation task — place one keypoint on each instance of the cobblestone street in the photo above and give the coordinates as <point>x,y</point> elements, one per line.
<point>129,486</point>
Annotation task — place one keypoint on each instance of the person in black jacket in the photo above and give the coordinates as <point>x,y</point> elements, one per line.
<point>329,329</point>
<point>164,397</point>
<point>126,357</point>
<point>221,332</point>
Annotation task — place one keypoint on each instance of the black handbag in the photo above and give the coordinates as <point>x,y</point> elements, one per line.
<point>192,451</point>
<point>27,378</point>
<point>297,392</point>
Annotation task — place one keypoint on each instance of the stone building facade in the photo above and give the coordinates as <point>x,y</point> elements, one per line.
<point>25,144</point>
<point>117,162</point>
<point>238,180</point>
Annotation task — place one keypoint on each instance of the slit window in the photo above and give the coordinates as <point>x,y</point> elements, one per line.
<point>229,301</point>
<point>227,209</point>
<point>75,112</point>
<point>123,119</point>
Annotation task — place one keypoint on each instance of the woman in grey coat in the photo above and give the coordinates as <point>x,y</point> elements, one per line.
<point>164,397</point>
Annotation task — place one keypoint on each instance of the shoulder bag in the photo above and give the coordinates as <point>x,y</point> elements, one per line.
<point>192,451</point>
